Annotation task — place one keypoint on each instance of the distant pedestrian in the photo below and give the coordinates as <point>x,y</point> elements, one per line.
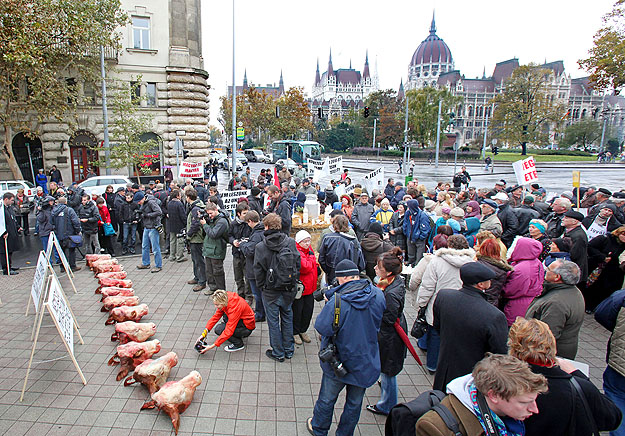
<point>42,180</point>
<point>55,175</point>
<point>9,242</point>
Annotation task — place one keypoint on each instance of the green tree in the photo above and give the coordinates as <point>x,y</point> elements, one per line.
<point>295,116</point>
<point>583,133</point>
<point>342,137</point>
<point>526,109</point>
<point>128,124</point>
<point>606,62</point>
<point>388,110</point>
<point>44,43</point>
<point>423,113</point>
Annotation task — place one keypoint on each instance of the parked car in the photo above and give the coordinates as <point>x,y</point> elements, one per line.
<point>13,185</point>
<point>241,158</point>
<point>98,184</point>
<point>282,162</point>
<point>254,155</point>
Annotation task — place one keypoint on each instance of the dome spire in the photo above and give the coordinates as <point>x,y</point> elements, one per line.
<point>281,83</point>
<point>245,79</point>
<point>433,25</point>
<point>317,76</point>
<point>365,72</point>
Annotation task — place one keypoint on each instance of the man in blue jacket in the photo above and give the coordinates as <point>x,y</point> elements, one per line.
<point>417,226</point>
<point>356,342</point>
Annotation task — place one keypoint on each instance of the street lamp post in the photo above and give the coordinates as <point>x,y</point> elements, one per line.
<point>438,132</point>
<point>234,104</point>
<point>105,116</point>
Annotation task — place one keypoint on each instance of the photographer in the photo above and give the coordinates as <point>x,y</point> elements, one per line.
<point>216,229</point>
<point>238,322</point>
<point>349,354</point>
<point>151,214</point>
<point>195,235</point>
<point>176,223</point>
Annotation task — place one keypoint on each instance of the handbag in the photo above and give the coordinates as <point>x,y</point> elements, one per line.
<point>108,229</point>
<point>577,389</point>
<point>420,326</point>
<point>299,290</point>
<point>594,275</point>
<point>75,241</point>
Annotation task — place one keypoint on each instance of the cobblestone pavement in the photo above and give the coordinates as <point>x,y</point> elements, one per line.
<point>241,393</point>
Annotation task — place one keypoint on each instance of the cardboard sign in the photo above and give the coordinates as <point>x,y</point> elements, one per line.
<point>231,198</point>
<point>316,169</point>
<point>525,171</point>
<point>36,291</point>
<point>374,180</point>
<point>50,246</point>
<point>64,260</point>
<point>576,179</point>
<point>193,170</point>
<point>3,227</point>
<point>335,165</point>
<point>62,316</point>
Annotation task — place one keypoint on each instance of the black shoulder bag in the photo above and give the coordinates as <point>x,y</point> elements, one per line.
<point>577,391</point>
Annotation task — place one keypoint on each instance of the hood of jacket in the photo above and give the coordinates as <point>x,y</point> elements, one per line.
<point>357,292</point>
<point>274,239</point>
<point>501,264</point>
<point>455,257</point>
<point>301,197</point>
<point>58,209</point>
<point>525,249</point>
<point>460,388</point>
<point>475,209</point>
<point>371,241</point>
<point>413,206</point>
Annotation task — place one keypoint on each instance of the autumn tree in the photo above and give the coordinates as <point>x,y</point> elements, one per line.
<point>526,109</point>
<point>384,107</point>
<point>606,62</point>
<point>295,116</point>
<point>423,113</point>
<point>46,47</point>
<point>583,133</point>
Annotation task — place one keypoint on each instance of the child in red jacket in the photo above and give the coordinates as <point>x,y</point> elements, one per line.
<point>238,321</point>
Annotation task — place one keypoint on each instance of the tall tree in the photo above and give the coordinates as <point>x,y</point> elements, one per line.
<point>423,113</point>
<point>526,109</point>
<point>44,43</point>
<point>583,133</point>
<point>384,107</point>
<point>295,116</point>
<point>606,62</point>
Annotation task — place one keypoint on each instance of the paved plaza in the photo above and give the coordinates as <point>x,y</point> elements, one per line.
<point>242,393</point>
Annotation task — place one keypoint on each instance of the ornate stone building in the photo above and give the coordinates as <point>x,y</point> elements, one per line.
<point>432,65</point>
<point>270,88</point>
<point>163,44</point>
<point>339,91</point>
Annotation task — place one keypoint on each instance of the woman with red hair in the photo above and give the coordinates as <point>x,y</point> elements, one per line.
<point>489,254</point>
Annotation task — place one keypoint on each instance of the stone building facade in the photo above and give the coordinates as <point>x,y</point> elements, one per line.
<point>163,44</point>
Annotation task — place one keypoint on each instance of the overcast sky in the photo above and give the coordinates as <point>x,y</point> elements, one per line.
<point>291,34</point>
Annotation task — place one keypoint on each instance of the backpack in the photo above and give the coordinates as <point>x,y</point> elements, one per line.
<point>403,417</point>
<point>283,271</point>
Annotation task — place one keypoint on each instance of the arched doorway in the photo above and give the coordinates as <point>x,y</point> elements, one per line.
<point>83,154</point>
<point>152,165</point>
<point>28,154</point>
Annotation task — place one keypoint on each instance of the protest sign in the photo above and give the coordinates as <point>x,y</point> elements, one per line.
<point>335,166</point>
<point>3,227</point>
<point>231,198</point>
<point>374,180</point>
<point>36,290</point>
<point>193,170</point>
<point>525,171</point>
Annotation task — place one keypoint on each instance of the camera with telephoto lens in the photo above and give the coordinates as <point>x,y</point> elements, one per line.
<point>200,345</point>
<point>320,293</point>
<point>203,215</point>
<point>329,355</point>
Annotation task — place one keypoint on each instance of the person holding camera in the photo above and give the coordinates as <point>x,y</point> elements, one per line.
<point>151,214</point>
<point>195,236</point>
<point>237,322</point>
<point>349,355</point>
<point>392,348</point>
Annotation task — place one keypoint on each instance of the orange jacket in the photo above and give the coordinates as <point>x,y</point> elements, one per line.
<point>236,309</point>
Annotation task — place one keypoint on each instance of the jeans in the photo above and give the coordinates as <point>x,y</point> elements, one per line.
<point>388,394</point>
<point>259,311</point>
<point>302,313</point>
<point>130,235</point>
<point>215,275</point>
<point>614,387</point>
<point>214,177</point>
<point>199,265</point>
<point>44,242</point>
<point>433,346</point>
<point>91,238</point>
<point>243,289</point>
<point>240,332</point>
<point>176,248</point>
<point>151,238</point>
<point>279,316</point>
<point>324,407</point>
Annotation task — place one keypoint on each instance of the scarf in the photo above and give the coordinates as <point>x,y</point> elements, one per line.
<point>501,427</point>
<point>384,283</point>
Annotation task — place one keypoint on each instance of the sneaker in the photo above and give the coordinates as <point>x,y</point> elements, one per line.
<point>269,353</point>
<point>132,251</point>
<point>156,269</point>
<point>231,348</point>
<point>184,259</point>
<point>192,282</point>
<point>305,337</point>
<point>209,292</point>
<point>374,409</point>
<point>143,266</point>
<point>198,288</point>
<point>297,339</point>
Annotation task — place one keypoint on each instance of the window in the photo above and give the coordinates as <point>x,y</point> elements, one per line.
<point>135,92</point>
<point>151,94</point>
<point>89,183</point>
<point>89,94</point>
<point>141,32</point>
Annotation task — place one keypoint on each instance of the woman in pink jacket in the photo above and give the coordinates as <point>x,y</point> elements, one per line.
<point>526,281</point>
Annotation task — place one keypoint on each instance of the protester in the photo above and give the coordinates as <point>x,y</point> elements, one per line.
<point>606,275</point>
<point>66,223</point>
<point>129,216</point>
<point>304,305</point>
<point>10,242</point>
<point>558,249</point>
<point>276,268</point>
<point>355,345</point>
<point>361,215</point>
<point>506,387</point>
<point>237,321</point>
<point>464,340</point>
<point>150,217</point>
<point>347,205</point>
<point>106,241</point>
<point>239,231</point>
<point>216,230</point>
<point>417,227</point>
<point>555,227</point>
<point>392,348</point>
<point>195,235</point>
<point>537,230</point>
<point>337,246</point>
<point>572,223</point>
<point>23,207</point>
<point>280,206</point>
<point>396,227</point>
<point>489,220</point>
<point>560,409</point>
<point>248,248</point>
<point>489,254</point>
<point>176,224</point>
<point>384,215</point>
<point>373,245</point>
<point>89,217</point>
<point>602,223</point>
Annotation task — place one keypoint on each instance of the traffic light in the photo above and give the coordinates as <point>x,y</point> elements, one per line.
<point>277,111</point>
<point>366,111</point>
<point>185,154</point>
<point>320,112</point>
<point>495,150</point>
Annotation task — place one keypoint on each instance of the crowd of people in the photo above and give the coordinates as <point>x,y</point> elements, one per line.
<point>499,278</point>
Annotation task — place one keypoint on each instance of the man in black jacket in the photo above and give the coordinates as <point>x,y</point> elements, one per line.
<point>464,339</point>
<point>277,302</point>
<point>248,248</point>
<point>572,222</point>
<point>151,214</point>
<point>337,246</point>
<point>118,202</point>
<point>239,231</point>
<point>255,201</point>
<point>525,213</point>
<point>509,221</point>
<point>89,217</point>
<point>554,220</point>
<point>176,221</point>
<point>66,224</point>
<point>10,236</point>
<point>281,206</point>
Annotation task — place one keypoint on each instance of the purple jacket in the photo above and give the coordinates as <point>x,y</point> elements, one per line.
<point>526,281</point>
